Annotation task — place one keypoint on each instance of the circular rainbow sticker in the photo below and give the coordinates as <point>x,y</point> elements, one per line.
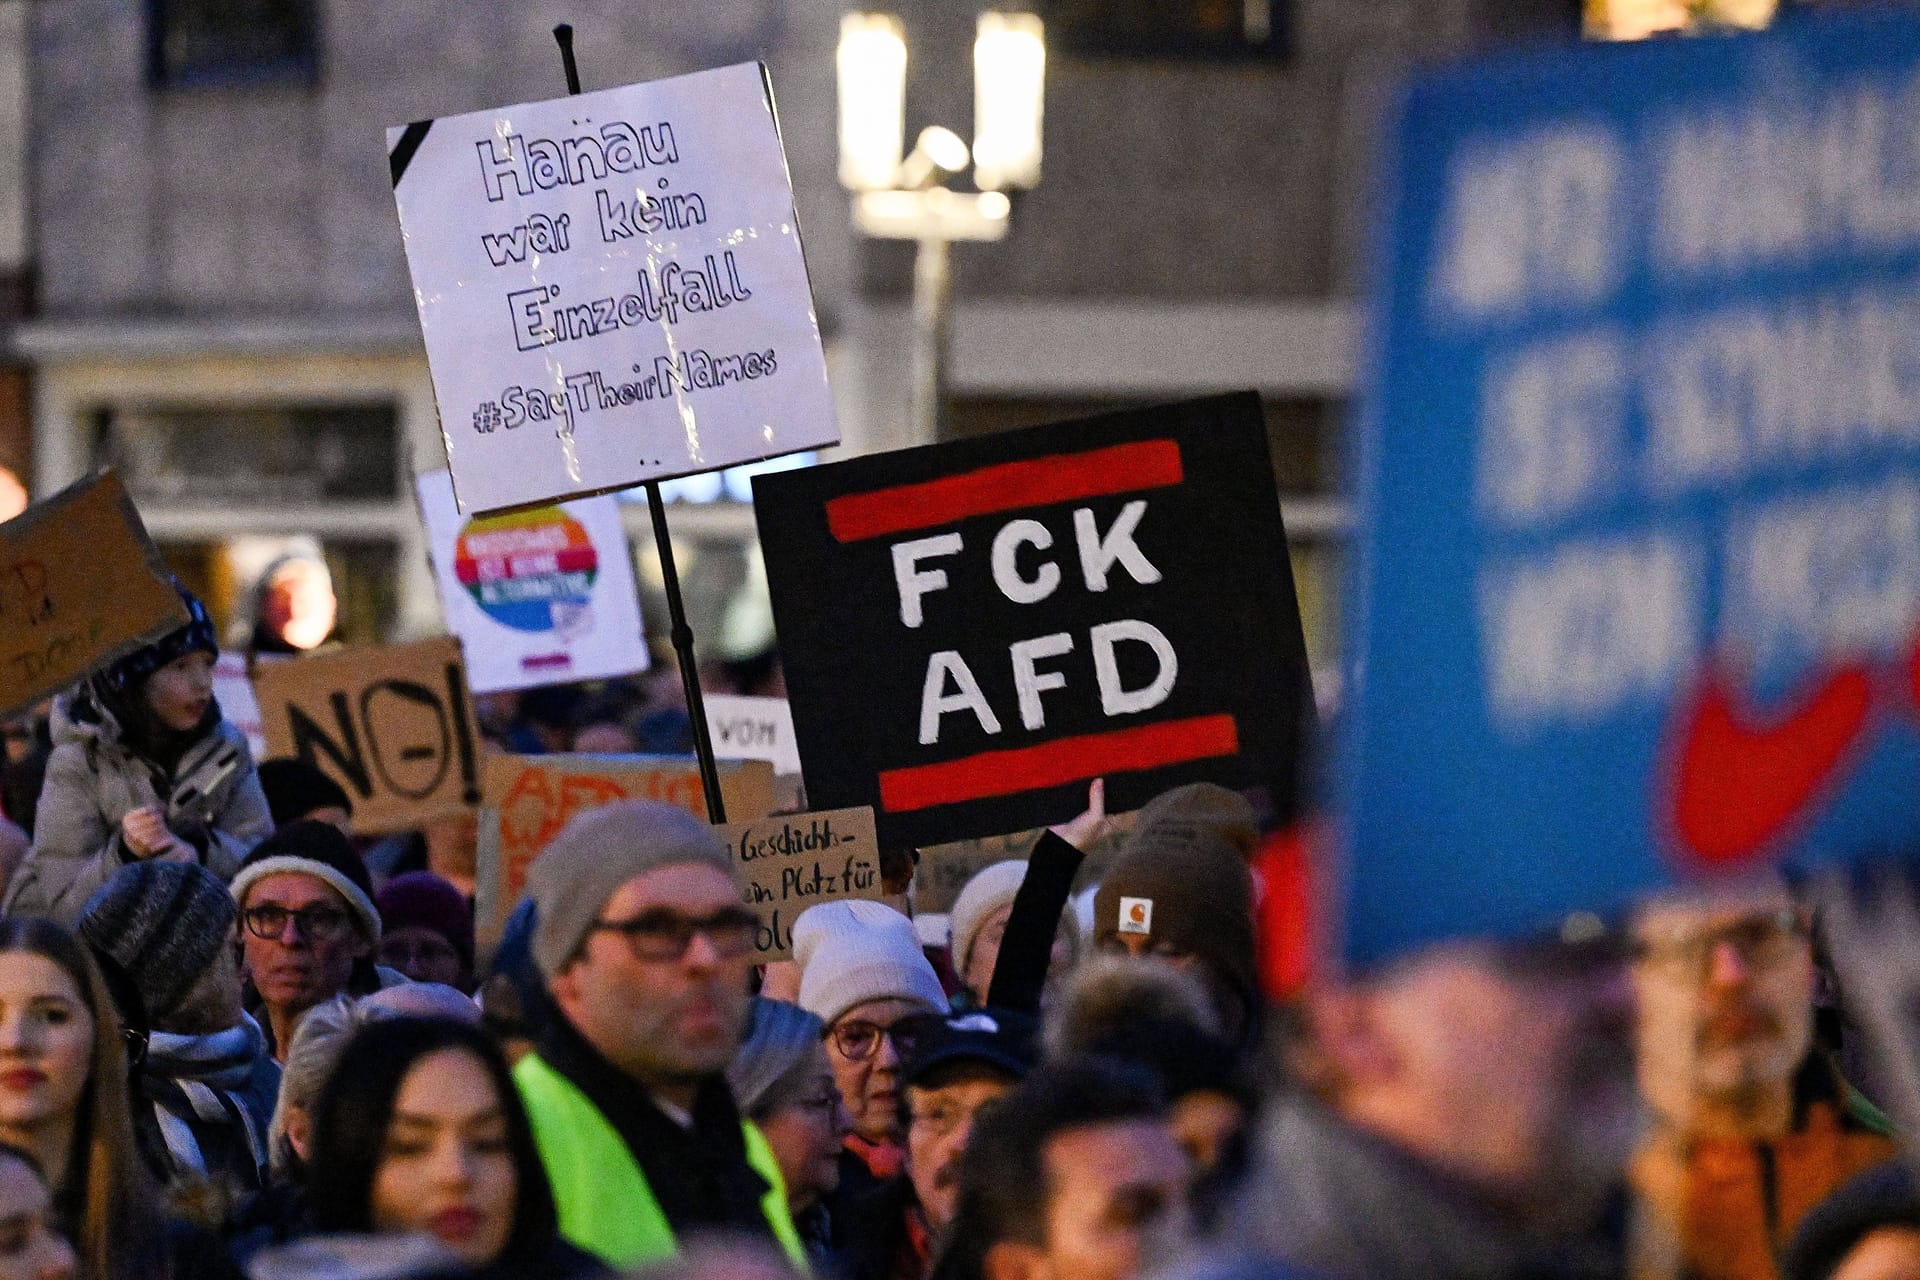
<point>529,570</point>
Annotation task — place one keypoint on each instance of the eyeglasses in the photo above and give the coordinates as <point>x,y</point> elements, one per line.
<point>401,952</point>
<point>1761,940</point>
<point>663,935</point>
<point>943,1116</point>
<point>822,1103</point>
<point>857,1040</point>
<point>317,924</point>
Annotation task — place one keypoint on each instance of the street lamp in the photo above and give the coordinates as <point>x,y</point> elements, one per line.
<point>908,199</point>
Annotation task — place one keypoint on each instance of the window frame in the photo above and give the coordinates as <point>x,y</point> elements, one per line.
<point>302,70</point>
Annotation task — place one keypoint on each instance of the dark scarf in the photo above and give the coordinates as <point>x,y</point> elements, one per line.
<point>700,1176</point>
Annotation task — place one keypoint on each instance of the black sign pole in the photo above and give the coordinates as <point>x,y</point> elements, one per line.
<point>682,634</point>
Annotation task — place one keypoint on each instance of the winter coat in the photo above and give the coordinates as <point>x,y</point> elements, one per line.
<point>1727,1207</point>
<point>94,779</point>
<point>1332,1200</point>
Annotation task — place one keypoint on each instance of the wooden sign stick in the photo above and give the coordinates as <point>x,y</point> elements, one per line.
<point>681,634</point>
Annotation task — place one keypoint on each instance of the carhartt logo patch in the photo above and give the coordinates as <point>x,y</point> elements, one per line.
<point>1136,915</point>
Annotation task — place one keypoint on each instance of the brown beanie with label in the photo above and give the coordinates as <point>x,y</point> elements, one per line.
<point>1192,893</point>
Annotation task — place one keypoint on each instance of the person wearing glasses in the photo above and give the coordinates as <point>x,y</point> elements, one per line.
<point>957,1066</point>
<point>641,938</point>
<point>1752,1125</point>
<point>863,974</point>
<point>784,1084</point>
<point>308,927</point>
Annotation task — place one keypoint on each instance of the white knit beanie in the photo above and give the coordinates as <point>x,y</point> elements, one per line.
<point>856,950</point>
<point>990,889</point>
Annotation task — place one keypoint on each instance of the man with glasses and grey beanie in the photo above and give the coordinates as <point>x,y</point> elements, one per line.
<point>641,938</point>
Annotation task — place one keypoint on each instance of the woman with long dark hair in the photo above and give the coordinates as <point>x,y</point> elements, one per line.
<point>64,1100</point>
<point>420,1130</point>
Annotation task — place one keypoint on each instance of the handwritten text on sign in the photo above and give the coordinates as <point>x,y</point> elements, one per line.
<point>393,726</point>
<point>753,729</point>
<point>1642,562</point>
<point>792,862</point>
<point>79,586</point>
<point>1009,616</point>
<point>530,800</point>
<point>611,288</point>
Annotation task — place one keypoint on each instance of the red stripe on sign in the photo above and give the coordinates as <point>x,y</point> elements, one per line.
<point>1092,755</point>
<point>1006,486</point>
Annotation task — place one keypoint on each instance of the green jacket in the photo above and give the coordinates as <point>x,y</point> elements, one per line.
<point>604,1202</point>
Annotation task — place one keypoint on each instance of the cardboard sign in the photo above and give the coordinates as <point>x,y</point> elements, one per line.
<point>80,585</point>
<point>393,726</point>
<point>538,596</point>
<point>611,288</point>
<point>943,870</point>
<point>753,729</point>
<point>1639,589</point>
<point>530,800</point>
<point>233,690</point>
<point>797,860</point>
<point>971,631</point>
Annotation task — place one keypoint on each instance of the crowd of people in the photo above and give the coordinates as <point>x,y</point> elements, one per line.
<point>236,1040</point>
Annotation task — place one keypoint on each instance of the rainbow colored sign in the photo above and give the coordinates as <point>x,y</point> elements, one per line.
<point>540,596</point>
<point>530,570</point>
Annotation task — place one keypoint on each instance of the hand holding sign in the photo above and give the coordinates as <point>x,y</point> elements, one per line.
<point>1085,831</point>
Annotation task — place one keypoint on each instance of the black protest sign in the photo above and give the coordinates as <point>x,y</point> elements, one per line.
<point>972,630</point>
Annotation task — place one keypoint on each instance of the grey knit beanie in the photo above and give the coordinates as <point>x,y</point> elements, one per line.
<point>780,1037</point>
<point>599,851</point>
<point>163,923</point>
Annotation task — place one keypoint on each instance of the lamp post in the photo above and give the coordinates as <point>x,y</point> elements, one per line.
<point>909,199</point>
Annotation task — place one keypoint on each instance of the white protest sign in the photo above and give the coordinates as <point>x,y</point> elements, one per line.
<point>538,596</point>
<point>611,288</point>
<point>753,729</point>
<point>233,690</point>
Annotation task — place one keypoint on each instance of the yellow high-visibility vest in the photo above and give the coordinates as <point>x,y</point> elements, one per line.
<point>604,1202</point>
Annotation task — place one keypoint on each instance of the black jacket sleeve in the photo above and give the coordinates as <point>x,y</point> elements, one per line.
<point>1027,946</point>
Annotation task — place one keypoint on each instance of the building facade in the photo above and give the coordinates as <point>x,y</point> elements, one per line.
<point>219,302</point>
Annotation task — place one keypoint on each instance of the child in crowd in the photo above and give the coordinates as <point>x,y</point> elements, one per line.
<point>143,766</point>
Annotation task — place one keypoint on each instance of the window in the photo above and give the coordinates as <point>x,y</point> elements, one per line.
<point>254,456</point>
<point>1209,29</point>
<point>216,42</point>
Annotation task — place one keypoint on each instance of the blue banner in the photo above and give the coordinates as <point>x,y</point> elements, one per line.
<point>1637,584</point>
